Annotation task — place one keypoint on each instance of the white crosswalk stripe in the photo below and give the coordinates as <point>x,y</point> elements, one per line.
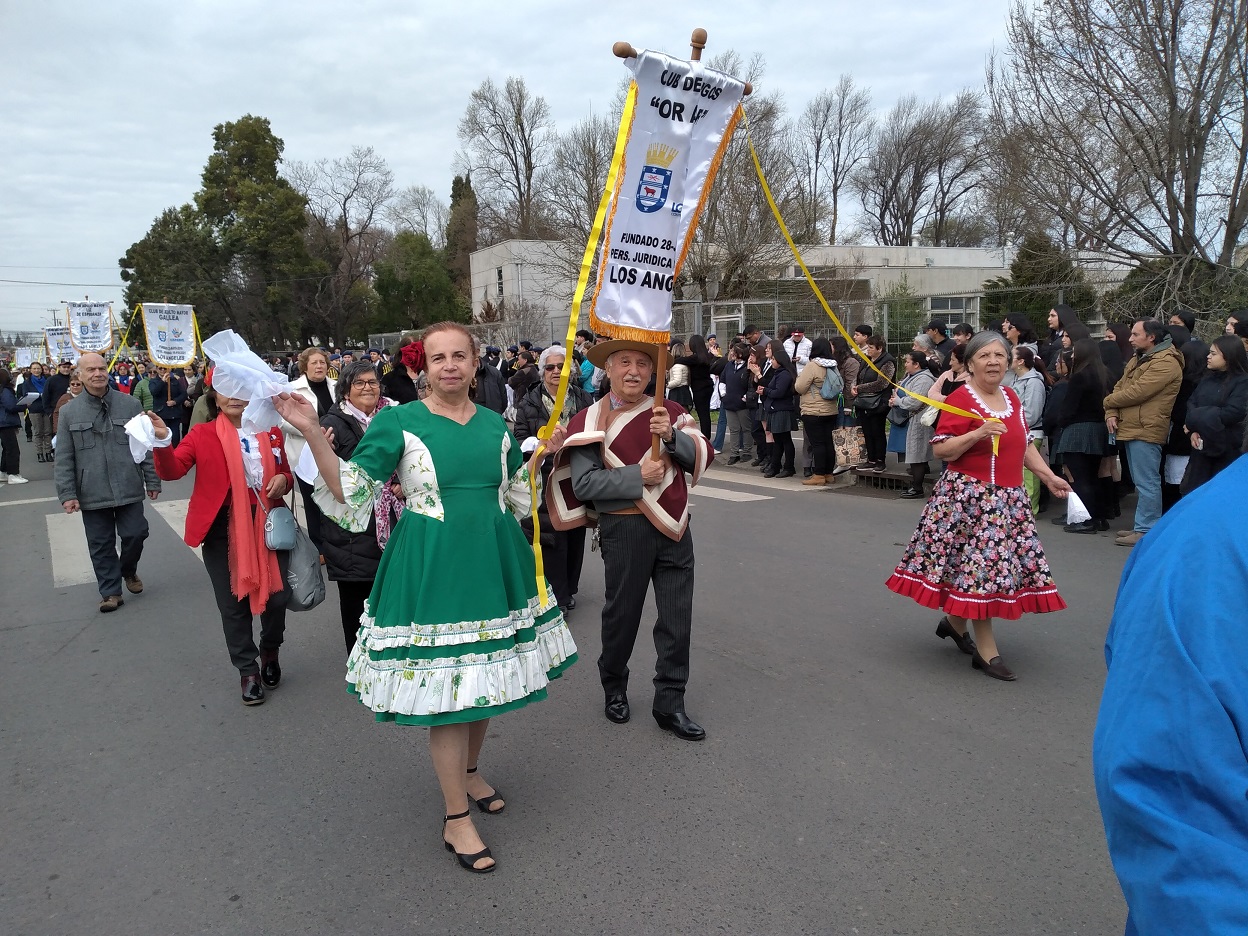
<point>67,541</point>
<point>739,497</point>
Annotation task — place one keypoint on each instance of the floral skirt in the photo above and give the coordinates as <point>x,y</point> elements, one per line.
<point>976,554</point>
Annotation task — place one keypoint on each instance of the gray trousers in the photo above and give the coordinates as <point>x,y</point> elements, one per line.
<point>43,432</point>
<point>236,612</point>
<point>740,424</point>
<point>634,554</point>
<point>103,527</point>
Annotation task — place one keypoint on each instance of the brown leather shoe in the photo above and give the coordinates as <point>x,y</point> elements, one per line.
<point>134,585</point>
<point>945,629</point>
<point>111,603</point>
<point>995,667</point>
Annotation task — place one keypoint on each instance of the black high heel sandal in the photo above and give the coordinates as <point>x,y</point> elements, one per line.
<point>486,802</point>
<point>467,862</point>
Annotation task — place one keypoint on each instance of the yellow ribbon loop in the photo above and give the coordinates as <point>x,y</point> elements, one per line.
<point>587,262</point>
<point>758,169</point>
<point>137,312</point>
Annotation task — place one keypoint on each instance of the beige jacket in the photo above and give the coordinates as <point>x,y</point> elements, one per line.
<point>808,383</point>
<point>1143,399</point>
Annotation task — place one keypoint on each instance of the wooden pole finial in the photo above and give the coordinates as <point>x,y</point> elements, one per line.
<point>623,50</point>
<point>698,42</point>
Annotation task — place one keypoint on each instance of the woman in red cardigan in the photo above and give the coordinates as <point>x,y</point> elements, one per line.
<point>233,468</point>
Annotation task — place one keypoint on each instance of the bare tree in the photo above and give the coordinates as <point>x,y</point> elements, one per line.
<point>830,140</point>
<point>507,135</point>
<point>959,161</point>
<point>346,202</point>
<point>895,181</point>
<point>419,210</point>
<point>1132,115</point>
<point>574,180</point>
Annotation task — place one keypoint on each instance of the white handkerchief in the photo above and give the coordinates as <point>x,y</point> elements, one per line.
<point>306,470</point>
<point>241,373</point>
<point>1076,512</point>
<point>142,437</point>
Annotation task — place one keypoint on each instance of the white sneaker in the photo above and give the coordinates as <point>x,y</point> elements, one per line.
<point>16,479</point>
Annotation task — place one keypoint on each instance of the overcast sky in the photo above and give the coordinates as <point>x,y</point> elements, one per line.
<point>107,109</point>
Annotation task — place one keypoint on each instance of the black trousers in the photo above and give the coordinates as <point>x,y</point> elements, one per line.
<point>874,434</point>
<point>351,598</point>
<point>312,516</point>
<point>10,454</point>
<point>563,560</point>
<point>103,527</point>
<point>818,431</point>
<point>702,403</point>
<point>759,434</point>
<point>236,612</point>
<point>634,554</point>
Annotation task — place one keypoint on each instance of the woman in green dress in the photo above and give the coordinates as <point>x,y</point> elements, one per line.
<point>454,631</point>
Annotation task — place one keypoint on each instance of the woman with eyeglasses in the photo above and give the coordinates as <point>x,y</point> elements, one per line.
<point>75,388</point>
<point>563,550</point>
<point>351,559</point>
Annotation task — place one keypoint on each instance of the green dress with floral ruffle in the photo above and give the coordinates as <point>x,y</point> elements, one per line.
<point>453,630</point>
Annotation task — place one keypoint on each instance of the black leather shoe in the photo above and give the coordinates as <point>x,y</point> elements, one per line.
<point>754,464</point>
<point>571,605</point>
<point>270,670</point>
<point>945,629</point>
<point>808,472</point>
<point>1102,526</point>
<point>617,709</point>
<point>681,725</point>
<point>787,473</point>
<point>1088,526</point>
<point>734,459</point>
<point>1058,521</point>
<point>770,474</point>
<point>253,692</point>
<point>995,667</point>
<point>911,493</point>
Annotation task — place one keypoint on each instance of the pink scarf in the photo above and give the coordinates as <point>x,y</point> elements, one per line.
<point>254,572</point>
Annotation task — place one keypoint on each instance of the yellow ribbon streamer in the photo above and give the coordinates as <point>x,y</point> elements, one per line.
<point>587,262</point>
<point>939,404</point>
<point>137,312</point>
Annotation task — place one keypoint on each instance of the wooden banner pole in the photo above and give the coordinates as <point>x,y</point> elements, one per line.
<point>660,391</point>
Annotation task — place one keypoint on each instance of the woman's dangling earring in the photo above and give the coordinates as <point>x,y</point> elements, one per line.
<point>473,384</point>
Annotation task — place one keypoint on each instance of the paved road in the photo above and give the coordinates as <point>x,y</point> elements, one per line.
<point>859,777</point>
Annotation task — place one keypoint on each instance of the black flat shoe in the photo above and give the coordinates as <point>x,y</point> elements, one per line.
<point>770,474</point>
<point>681,725</point>
<point>734,459</point>
<point>1087,526</point>
<point>617,709</point>
<point>756,462</point>
<point>995,667</point>
<point>270,670</point>
<point>911,493</point>
<point>253,692</point>
<point>485,802</point>
<point>572,603</point>
<point>468,862</point>
<point>1102,526</point>
<point>945,629</point>
<point>1058,521</point>
<point>787,473</point>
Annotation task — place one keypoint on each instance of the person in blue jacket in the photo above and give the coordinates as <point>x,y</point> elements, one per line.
<point>1170,752</point>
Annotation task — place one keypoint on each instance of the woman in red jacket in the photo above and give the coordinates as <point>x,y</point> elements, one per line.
<point>235,468</point>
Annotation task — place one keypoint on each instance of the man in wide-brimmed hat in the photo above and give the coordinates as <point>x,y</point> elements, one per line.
<point>606,474</point>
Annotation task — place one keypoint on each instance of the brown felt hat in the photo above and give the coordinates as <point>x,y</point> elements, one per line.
<point>599,353</point>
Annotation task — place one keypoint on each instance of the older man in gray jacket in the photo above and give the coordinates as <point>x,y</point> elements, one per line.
<point>96,474</point>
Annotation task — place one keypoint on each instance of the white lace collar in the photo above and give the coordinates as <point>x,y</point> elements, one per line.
<point>1003,414</point>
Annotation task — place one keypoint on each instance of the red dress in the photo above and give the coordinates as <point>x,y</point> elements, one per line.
<point>976,553</point>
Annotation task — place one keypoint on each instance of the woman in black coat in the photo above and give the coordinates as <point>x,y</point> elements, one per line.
<point>563,551</point>
<point>351,559</point>
<point>699,361</point>
<point>779,406</point>
<point>1177,449</point>
<point>1083,439</point>
<point>1216,412</point>
<point>168,394</point>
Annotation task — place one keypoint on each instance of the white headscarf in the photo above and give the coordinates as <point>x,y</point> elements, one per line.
<point>240,373</point>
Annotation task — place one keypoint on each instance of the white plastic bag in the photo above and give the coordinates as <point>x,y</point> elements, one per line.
<point>1075,511</point>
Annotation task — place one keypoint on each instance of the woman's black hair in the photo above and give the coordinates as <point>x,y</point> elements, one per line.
<point>1232,348</point>
<point>210,403</point>
<point>1026,330</point>
<point>781,357</point>
<point>1195,361</point>
<point>1085,354</point>
<point>822,348</point>
<point>918,357</point>
<point>698,349</point>
<point>1122,337</point>
<point>6,379</point>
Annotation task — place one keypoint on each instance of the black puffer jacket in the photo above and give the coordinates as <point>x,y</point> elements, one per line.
<point>1217,410</point>
<point>349,557</point>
